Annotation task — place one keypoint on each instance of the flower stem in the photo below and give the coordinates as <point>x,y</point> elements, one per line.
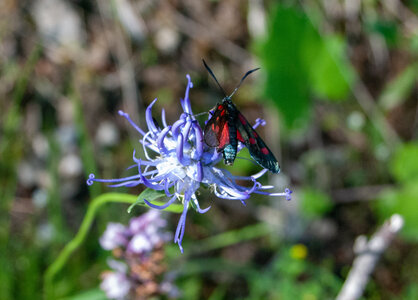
<point>81,235</point>
<point>231,237</point>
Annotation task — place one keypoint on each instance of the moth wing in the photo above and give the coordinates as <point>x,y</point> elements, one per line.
<point>216,132</point>
<point>256,146</point>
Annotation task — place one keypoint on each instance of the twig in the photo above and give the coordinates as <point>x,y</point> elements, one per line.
<point>368,254</point>
<point>130,94</point>
<point>199,32</point>
<point>256,17</point>
<point>405,16</point>
<point>358,194</point>
<point>376,116</point>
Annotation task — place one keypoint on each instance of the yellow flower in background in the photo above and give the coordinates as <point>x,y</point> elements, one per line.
<point>298,251</point>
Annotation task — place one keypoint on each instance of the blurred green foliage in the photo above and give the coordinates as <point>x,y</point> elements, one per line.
<point>411,292</point>
<point>288,277</point>
<point>403,198</point>
<point>387,29</point>
<point>398,89</point>
<point>298,62</point>
<point>11,153</point>
<point>94,294</point>
<point>314,203</point>
<point>403,201</point>
<point>404,164</point>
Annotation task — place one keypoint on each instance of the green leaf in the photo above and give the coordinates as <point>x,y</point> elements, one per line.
<point>298,61</point>
<point>404,165</point>
<point>151,196</point>
<point>314,203</point>
<point>403,202</point>
<point>398,90</point>
<point>330,73</point>
<point>286,74</point>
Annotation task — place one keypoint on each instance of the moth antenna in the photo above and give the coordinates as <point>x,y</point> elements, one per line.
<point>213,76</point>
<point>242,79</point>
<point>201,114</point>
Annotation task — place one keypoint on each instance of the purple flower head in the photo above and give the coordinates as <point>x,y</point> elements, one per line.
<point>182,162</point>
<point>114,236</point>
<point>151,221</point>
<point>141,236</point>
<point>139,249</point>
<point>116,284</point>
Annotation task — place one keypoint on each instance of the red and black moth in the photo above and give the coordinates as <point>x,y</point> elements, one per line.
<point>227,126</point>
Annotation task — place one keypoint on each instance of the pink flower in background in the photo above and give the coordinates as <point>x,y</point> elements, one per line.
<point>138,272</point>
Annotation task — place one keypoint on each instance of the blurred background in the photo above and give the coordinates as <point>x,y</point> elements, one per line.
<point>337,87</point>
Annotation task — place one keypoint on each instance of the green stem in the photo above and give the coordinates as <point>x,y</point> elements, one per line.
<point>231,237</point>
<point>81,235</point>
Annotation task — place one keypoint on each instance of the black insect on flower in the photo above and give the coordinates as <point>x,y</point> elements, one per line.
<point>227,126</point>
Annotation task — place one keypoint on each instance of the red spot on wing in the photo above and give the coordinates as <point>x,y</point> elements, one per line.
<point>242,119</point>
<point>224,137</point>
<point>265,151</point>
<point>239,137</point>
<point>223,112</point>
<point>252,141</point>
<point>255,134</point>
<point>220,107</point>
